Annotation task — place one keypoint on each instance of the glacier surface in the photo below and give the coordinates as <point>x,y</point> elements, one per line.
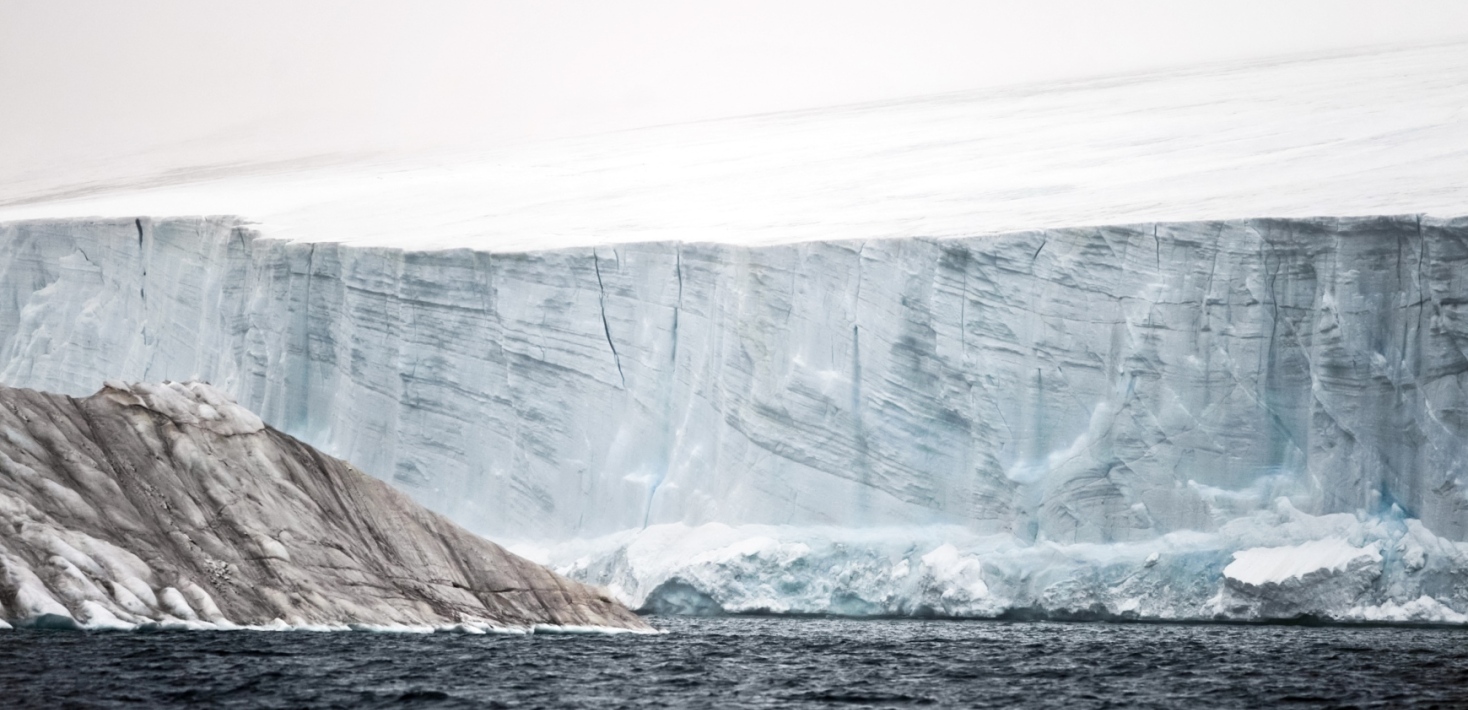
<point>1374,131</point>
<point>1095,395</point>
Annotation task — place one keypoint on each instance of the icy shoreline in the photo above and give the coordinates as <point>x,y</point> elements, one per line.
<point>1275,566</point>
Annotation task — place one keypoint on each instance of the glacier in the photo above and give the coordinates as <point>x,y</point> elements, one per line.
<point>862,360</point>
<point>1047,419</point>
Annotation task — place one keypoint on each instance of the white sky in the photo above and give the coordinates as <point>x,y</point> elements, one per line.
<point>96,90</point>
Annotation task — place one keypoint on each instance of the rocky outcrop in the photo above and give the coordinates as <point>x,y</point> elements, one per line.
<point>170,504</point>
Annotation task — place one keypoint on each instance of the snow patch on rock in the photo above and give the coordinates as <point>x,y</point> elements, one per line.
<point>193,403</point>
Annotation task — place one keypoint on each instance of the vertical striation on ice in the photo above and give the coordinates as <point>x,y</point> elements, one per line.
<point>1093,385</point>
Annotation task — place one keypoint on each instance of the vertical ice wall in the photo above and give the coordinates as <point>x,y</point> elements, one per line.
<point>1077,384</point>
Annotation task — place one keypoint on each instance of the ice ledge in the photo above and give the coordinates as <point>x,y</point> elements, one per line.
<point>1276,565</point>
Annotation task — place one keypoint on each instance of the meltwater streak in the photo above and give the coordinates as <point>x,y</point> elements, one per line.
<point>752,662</point>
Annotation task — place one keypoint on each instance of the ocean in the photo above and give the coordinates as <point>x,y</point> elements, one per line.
<point>754,662</point>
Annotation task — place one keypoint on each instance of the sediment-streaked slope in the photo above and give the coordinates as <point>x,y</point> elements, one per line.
<point>171,504</point>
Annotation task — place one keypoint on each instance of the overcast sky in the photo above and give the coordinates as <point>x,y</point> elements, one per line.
<point>105,87</point>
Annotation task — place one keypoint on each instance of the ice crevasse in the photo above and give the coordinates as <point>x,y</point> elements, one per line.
<point>1250,418</point>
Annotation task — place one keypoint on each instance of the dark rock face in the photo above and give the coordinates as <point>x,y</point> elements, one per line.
<point>170,503</point>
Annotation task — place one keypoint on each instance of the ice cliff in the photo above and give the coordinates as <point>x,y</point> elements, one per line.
<point>170,505</point>
<point>1097,395</point>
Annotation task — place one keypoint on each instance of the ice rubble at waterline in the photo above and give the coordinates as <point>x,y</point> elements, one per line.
<point>1278,563</point>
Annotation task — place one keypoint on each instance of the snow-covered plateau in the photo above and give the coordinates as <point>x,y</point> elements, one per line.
<point>1375,131</point>
<point>1020,420</point>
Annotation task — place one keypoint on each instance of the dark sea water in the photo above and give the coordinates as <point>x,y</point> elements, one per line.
<point>750,662</point>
